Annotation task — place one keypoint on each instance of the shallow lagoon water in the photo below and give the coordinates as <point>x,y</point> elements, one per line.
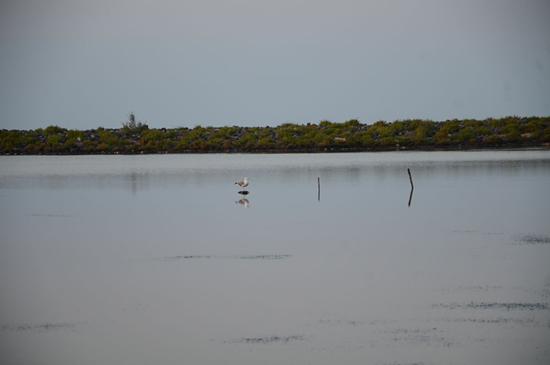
<point>157,259</point>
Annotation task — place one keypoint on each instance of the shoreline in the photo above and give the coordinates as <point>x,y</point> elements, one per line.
<point>326,137</point>
<point>290,152</point>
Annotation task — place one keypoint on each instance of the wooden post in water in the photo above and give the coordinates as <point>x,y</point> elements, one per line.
<point>318,189</point>
<point>412,186</point>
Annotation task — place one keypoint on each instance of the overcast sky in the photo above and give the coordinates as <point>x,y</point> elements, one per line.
<point>84,64</point>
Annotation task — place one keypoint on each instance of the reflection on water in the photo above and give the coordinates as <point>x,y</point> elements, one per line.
<point>154,255</point>
<point>412,186</point>
<point>138,173</point>
<point>318,189</point>
<point>244,202</point>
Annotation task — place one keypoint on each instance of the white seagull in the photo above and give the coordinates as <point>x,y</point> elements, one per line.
<point>242,183</point>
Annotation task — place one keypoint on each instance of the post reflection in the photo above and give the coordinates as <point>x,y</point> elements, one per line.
<point>412,186</point>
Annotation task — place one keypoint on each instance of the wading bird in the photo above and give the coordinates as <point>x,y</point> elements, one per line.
<point>242,183</point>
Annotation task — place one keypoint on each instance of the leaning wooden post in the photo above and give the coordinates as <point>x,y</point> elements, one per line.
<point>318,189</point>
<point>410,179</point>
<point>412,187</point>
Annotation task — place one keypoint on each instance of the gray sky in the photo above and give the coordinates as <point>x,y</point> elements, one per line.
<point>83,64</point>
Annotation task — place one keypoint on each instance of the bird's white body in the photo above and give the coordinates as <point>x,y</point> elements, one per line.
<point>242,183</point>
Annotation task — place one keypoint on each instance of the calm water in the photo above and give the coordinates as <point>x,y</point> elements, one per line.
<point>158,260</point>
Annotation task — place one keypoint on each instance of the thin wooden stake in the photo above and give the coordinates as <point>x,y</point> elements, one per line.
<point>318,189</point>
<point>412,187</point>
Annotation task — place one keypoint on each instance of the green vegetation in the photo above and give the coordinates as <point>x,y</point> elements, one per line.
<point>326,136</point>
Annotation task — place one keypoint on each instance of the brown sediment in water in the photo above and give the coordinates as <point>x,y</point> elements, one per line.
<point>428,336</point>
<point>337,322</point>
<point>37,327</point>
<point>234,257</point>
<point>498,320</point>
<point>269,339</point>
<point>533,239</point>
<point>494,305</point>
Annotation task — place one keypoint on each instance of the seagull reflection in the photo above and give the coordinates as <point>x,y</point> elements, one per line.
<point>244,202</point>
